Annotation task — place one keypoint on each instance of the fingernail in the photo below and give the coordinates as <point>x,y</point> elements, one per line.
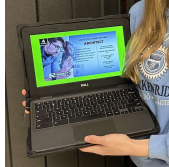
<point>87,139</point>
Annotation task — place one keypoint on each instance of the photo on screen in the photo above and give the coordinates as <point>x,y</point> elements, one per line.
<point>81,55</point>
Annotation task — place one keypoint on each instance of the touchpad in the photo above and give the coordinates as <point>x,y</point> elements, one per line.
<point>99,128</point>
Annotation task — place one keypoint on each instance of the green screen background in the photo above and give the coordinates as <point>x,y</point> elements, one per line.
<point>37,58</point>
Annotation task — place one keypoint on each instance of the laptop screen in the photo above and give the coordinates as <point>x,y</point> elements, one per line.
<point>81,55</point>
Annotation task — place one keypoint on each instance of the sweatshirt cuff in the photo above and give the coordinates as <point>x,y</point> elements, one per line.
<point>158,147</point>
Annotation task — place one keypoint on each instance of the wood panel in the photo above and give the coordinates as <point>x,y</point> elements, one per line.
<point>17,12</point>
<point>54,10</point>
<point>64,159</point>
<point>86,8</point>
<point>91,160</point>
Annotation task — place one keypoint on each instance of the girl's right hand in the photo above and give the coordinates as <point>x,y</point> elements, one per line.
<point>24,102</point>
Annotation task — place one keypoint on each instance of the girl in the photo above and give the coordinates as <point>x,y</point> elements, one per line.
<point>147,61</point>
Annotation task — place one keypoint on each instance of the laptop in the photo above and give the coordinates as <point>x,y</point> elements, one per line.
<point>74,86</point>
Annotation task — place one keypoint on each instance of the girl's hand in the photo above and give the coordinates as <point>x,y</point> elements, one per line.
<point>116,145</point>
<point>24,102</point>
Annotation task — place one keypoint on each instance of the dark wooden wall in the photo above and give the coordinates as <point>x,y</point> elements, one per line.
<point>29,11</point>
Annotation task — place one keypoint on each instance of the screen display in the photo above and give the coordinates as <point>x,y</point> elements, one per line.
<point>81,55</point>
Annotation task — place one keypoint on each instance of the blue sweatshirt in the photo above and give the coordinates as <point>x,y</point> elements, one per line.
<point>154,90</point>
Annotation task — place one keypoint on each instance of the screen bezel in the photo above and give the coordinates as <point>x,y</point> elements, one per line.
<point>36,92</point>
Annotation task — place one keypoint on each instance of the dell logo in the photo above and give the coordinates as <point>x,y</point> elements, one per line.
<point>83,85</point>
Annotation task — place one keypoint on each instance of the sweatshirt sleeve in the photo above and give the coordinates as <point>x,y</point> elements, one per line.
<point>136,15</point>
<point>132,21</point>
<point>159,147</point>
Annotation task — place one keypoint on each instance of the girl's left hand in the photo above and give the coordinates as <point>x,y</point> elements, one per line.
<point>113,144</point>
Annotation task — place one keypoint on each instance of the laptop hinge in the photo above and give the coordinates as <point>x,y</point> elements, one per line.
<point>46,97</point>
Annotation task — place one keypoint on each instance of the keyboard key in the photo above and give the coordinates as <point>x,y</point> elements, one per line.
<point>122,107</point>
<point>38,107</point>
<point>64,108</point>
<point>56,118</point>
<point>86,113</point>
<point>123,90</point>
<point>131,90</point>
<point>139,109</point>
<point>60,103</point>
<point>124,102</point>
<point>60,122</point>
<point>93,111</point>
<point>103,97</point>
<point>55,101</point>
<point>59,112</point>
<point>67,102</point>
<point>72,110</point>
<point>74,102</point>
<point>109,114</point>
<point>79,114</point>
<point>64,116</point>
<point>101,101</point>
<point>42,115</point>
<point>54,104</point>
<point>124,112</point>
<point>115,92</point>
<point>96,107</point>
<point>100,110</point>
<point>44,125</point>
<point>133,105</point>
<point>45,106</point>
<point>40,111</point>
<point>82,97</point>
<point>89,108</point>
<point>44,120</point>
<point>116,112</point>
<point>88,117</point>
<point>52,114</point>
<point>131,110</point>
<point>67,112</point>
<point>103,105</point>
<point>50,110</point>
<point>116,95</point>
<point>74,98</point>
<point>57,109</point>
<point>71,115</point>
<point>133,96</point>
<point>114,99</point>
<point>93,103</point>
<point>87,104</point>
<point>133,100</point>
<point>48,102</point>
<point>39,104</point>
<point>108,110</point>
<point>115,108</point>
<point>108,100</point>
<point>110,96</point>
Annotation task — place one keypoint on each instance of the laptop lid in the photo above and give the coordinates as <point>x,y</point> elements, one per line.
<point>95,49</point>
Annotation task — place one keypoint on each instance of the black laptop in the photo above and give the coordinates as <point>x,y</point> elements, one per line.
<point>74,86</point>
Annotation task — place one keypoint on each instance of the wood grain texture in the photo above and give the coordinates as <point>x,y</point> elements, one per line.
<point>54,10</point>
<point>86,8</point>
<point>17,12</point>
<point>91,160</point>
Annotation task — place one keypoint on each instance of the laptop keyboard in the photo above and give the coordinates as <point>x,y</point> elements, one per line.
<point>89,107</point>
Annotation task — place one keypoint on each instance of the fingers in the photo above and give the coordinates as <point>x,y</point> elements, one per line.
<point>24,103</point>
<point>94,149</point>
<point>95,139</point>
<point>24,92</point>
<point>26,112</point>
